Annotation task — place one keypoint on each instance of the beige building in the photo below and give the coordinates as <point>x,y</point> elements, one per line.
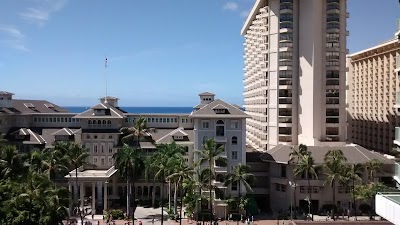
<point>373,83</point>
<point>295,63</point>
<point>31,124</point>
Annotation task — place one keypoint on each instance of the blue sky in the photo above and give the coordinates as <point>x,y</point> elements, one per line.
<point>160,53</point>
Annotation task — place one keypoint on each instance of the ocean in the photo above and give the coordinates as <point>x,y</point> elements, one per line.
<point>171,110</point>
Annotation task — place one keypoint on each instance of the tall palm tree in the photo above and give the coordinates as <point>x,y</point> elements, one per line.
<point>130,166</point>
<point>352,173</point>
<point>76,156</point>
<point>306,166</point>
<point>56,207</point>
<point>373,166</point>
<point>163,158</point>
<point>183,172</point>
<point>211,154</point>
<point>138,130</point>
<point>334,172</point>
<point>240,175</point>
<point>54,162</point>
<point>176,167</point>
<point>296,154</point>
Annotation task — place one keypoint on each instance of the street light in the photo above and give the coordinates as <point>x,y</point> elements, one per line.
<point>293,185</point>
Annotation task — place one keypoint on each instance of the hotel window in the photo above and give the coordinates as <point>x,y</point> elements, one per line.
<point>234,155</point>
<point>95,148</point>
<point>176,120</point>
<point>152,120</point>
<point>205,138</point>
<point>110,145</point>
<point>220,128</point>
<point>183,120</point>
<point>35,120</point>
<point>47,120</point>
<point>103,161</point>
<point>206,125</point>
<point>95,160</point>
<point>164,120</point>
<point>234,140</point>
<point>70,119</point>
<point>110,162</point>
<point>51,120</point>
<point>156,120</point>
<point>102,147</point>
<point>235,124</point>
<point>234,186</point>
<point>62,120</point>
<point>167,120</point>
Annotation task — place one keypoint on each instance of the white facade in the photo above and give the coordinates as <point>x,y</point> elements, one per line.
<point>295,65</point>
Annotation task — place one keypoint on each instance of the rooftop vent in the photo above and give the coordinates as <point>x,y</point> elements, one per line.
<point>29,105</point>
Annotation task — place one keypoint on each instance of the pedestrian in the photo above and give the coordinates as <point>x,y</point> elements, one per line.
<point>140,222</point>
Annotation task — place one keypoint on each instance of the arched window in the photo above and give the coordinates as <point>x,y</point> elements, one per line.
<point>98,121</point>
<point>109,122</point>
<point>94,121</point>
<point>234,140</point>
<point>220,129</point>
<point>89,122</point>
<point>104,122</point>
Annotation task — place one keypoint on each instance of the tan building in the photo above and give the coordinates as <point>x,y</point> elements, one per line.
<point>371,96</point>
<point>295,65</point>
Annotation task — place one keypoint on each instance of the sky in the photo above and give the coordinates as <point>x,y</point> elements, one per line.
<point>159,53</point>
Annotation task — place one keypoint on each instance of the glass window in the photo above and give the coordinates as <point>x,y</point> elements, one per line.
<point>234,155</point>
<point>234,140</point>
<point>206,125</point>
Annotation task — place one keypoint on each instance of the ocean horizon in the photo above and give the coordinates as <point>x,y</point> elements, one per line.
<point>131,109</point>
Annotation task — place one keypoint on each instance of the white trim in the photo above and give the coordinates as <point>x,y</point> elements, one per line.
<point>116,113</point>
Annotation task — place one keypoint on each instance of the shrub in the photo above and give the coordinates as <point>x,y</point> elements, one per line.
<point>364,208</point>
<point>117,214</point>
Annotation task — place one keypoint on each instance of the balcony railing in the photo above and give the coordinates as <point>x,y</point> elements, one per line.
<point>397,136</point>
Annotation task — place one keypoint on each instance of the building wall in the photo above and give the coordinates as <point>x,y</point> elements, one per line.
<point>373,84</point>
<point>287,59</point>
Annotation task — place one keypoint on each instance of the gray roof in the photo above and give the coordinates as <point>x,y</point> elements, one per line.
<point>167,135</point>
<point>206,93</point>
<point>199,106</point>
<point>208,111</point>
<point>6,93</point>
<point>111,112</point>
<point>353,153</point>
<point>109,97</point>
<point>34,138</point>
<point>63,132</point>
<point>147,144</point>
<point>32,107</point>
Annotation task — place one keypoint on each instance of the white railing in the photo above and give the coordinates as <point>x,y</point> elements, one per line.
<point>387,205</point>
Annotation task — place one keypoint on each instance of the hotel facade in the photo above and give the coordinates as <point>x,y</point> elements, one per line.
<point>30,124</point>
<point>295,73</point>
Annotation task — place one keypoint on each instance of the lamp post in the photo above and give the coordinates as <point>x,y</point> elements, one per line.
<point>293,185</point>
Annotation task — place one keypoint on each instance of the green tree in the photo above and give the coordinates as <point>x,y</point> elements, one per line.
<point>297,153</point>
<point>138,130</point>
<point>76,156</point>
<point>241,175</point>
<point>367,192</point>
<point>10,161</point>
<point>334,172</point>
<point>130,166</point>
<point>306,166</point>
<point>211,154</point>
<point>54,162</point>
<point>352,173</point>
<point>373,166</point>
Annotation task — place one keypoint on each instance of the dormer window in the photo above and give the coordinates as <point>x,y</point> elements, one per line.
<point>220,111</point>
<point>178,137</point>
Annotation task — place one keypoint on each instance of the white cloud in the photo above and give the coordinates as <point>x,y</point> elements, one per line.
<point>41,13</point>
<point>231,6</point>
<point>12,37</point>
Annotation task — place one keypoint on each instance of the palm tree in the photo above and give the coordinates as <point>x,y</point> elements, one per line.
<point>3,139</point>
<point>138,130</point>
<point>161,165</point>
<point>334,172</point>
<point>352,173</point>
<point>373,166</point>
<point>76,156</point>
<point>306,166</point>
<point>10,161</point>
<point>211,154</point>
<point>56,205</point>
<point>183,172</point>
<point>297,153</point>
<point>240,175</point>
<point>54,162</point>
<point>130,166</point>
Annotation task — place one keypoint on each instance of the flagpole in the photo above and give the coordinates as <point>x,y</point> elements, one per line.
<point>105,75</point>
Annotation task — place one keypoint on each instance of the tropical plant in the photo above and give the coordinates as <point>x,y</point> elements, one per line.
<point>334,172</point>
<point>298,152</point>
<point>54,162</point>
<point>306,166</point>
<point>162,164</point>
<point>211,154</point>
<point>373,166</point>
<point>76,156</point>
<point>182,172</point>
<point>138,130</point>
<point>130,166</point>
<point>10,161</point>
<point>241,175</point>
<point>365,192</point>
<point>352,173</point>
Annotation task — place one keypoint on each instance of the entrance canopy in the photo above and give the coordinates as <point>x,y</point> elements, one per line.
<point>91,174</point>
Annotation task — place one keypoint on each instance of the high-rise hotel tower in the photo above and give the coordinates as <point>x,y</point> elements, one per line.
<point>295,72</point>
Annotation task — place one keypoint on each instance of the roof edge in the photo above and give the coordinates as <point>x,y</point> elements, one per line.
<point>250,17</point>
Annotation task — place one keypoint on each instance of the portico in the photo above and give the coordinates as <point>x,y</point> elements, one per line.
<point>91,180</point>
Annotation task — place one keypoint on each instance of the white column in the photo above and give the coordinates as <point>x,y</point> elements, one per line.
<point>93,198</point>
<point>82,194</point>
<point>105,195</point>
